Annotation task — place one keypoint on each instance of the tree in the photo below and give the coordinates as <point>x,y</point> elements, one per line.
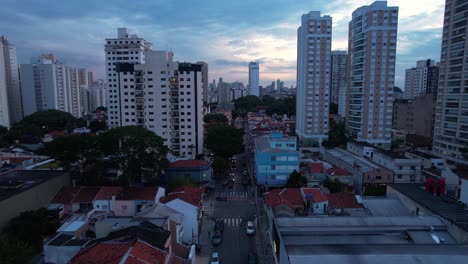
<point>3,136</point>
<point>282,106</point>
<point>219,165</point>
<point>333,108</point>
<point>136,151</point>
<point>14,251</point>
<point>225,140</point>
<point>296,180</point>
<point>245,104</point>
<point>215,118</point>
<point>97,125</point>
<point>334,186</point>
<point>178,182</point>
<point>101,108</point>
<point>336,136</point>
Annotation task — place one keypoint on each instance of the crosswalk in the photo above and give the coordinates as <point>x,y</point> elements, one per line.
<point>233,222</point>
<point>236,195</point>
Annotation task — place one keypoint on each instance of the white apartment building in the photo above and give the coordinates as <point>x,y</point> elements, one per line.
<point>372,51</point>
<point>338,80</point>
<point>10,94</point>
<point>254,78</point>
<point>451,119</point>
<point>147,88</point>
<point>418,80</point>
<point>313,77</point>
<point>47,83</point>
<point>98,90</point>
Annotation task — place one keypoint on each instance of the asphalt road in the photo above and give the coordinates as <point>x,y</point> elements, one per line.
<point>235,212</point>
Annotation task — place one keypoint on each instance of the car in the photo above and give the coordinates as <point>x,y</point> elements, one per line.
<point>252,258</point>
<point>231,174</point>
<point>214,258</point>
<point>216,239</point>
<point>250,228</point>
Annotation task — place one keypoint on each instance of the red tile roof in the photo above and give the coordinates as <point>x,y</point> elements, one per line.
<point>110,253</point>
<point>106,192</point>
<point>290,197</point>
<point>86,194</point>
<point>192,195</point>
<point>343,201</point>
<point>138,193</point>
<point>188,164</point>
<point>316,167</point>
<point>335,171</point>
<point>65,195</point>
<point>144,253</point>
<point>16,160</point>
<point>317,194</point>
<point>56,133</point>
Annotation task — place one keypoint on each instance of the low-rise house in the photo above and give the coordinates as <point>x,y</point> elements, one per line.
<point>361,149</point>
<point>428,160</point>
<point>339,174</point>
<point>62,248</point>
<point>315,201</point>
<point>285,201</point>
<point>188,201</point>
<point>406,170</point>
<point>105,198</point>
<point>132,200</point>
<point>197,170</point>
<point>344,204</point>
<point>276,158</point>
<point>83,200</point>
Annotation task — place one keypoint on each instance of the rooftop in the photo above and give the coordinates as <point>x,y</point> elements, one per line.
<point>290,197</point>
<point>336,171</point>
<point>138,193</point>
<point>343,201</point>
<point>86,194</point>
<point>439,205</point>
<point>423,154</point>
<point>353,160</point>
<point>315,194</point>
<point>17,181</point>
<point>188,164</point>
<point>192,195</point>
<point>262,143</point>
<point>106,192</point>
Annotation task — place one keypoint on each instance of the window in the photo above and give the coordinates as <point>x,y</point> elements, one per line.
<point>273,158</point>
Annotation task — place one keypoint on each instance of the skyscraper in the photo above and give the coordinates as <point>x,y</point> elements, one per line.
<point>313,77</point>
<point>254,78</point>
<point>204,69</point>
<point>420,80</point>
<point>338,80</point>
<point>11,110</point>
<point>47,83</point>
<point>372,50</point>
<point>148,88</point>
<point>451,120</point>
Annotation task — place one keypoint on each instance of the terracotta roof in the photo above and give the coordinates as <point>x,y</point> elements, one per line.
<point>192,195</point>
<point>138,193</point>
<point>106,192</point>
<point>86,194</point>
<point>16,160</point>
<point>316,167</point>
<point>144,253</point>
<point>65,195</point>
<point>317,194</point>
<point>290,197</point>
<point>56,133</point>
<point>343,201</point>
<point>188,164</point>
<point>110,253</point>
<point>335,171</point>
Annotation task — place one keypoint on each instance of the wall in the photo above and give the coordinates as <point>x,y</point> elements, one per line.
<point>346,179</point>
<point>464,191</point>
<point>266,168</point>
<point>197,175</point>
<point>190,220</point>
<point>59,254</point>
<point>386,176</point>
<point>31,199</point>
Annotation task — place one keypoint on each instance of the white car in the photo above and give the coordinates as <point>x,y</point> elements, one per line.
<point>214,258</point>
<point>250,228</point>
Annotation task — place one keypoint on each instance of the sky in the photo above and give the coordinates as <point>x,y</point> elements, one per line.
<point>225,34</point>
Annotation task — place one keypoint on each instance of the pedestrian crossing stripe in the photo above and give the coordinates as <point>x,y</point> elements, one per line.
<point>236,194</point>
<point>232,222</point>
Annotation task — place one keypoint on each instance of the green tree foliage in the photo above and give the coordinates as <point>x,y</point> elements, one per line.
<point>136,151</point>
<point>97,125</point>
<point>174,183</point>
<point>296,180</point>
<point>282,106</point>
<point>215,118</point>
<point>219,165</point>
<point>34,126</point>
<point>375,190</point>
<point>334,186</point>
<point>3,136</point>
<point>333,108</point>
<point>101,108</point>
<point>245,104</point>
<point>31,226</point>
<point>336,136</point>
<point>13,251</point>
<point>225,140</point>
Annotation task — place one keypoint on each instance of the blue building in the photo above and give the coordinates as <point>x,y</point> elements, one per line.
<point>276,157</point>
<point>198,170</point>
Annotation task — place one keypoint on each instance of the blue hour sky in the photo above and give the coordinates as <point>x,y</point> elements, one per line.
<point>226,34</point>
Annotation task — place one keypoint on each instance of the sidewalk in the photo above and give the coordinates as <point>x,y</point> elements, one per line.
<point>204,256</point>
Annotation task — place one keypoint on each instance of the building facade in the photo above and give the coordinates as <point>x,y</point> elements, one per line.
<point>313,77</point>
<point>276,158</point>
<point>254,78</point>
<point>415,114</point>
<point>451,120</point>
<point>47,83</point>
<point>422,79</point>
<point>338,80</point>
<point>11,110</point>
<point>372,50</point>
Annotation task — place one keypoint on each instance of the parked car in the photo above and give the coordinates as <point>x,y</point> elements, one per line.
<point>214,258</point>
<point>250,228</point>
<point>216,239</point>
<point>252,258</point>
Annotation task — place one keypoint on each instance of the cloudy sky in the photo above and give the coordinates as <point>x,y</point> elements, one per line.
<point>226,34</point>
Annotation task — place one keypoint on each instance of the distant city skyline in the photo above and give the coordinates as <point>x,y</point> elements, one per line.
<point>226,36</point>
